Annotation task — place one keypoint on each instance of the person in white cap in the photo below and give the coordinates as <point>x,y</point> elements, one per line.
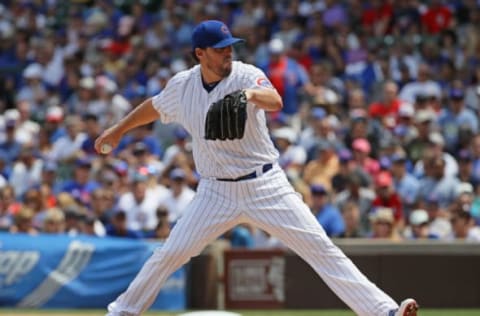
<point>419,227</point>
<point>292,157</point>
<point>287,76</point>
<point>34,89</point>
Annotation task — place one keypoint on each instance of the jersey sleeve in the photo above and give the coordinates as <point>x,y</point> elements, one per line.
<point>167,101</point>
<point>256,79</point>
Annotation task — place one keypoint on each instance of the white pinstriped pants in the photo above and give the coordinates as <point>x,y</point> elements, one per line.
<point>270,203</point>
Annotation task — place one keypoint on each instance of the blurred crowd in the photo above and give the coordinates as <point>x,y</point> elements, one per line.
<point>379,130</point>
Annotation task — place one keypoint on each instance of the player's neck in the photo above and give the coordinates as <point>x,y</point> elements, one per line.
<point>209,77</point>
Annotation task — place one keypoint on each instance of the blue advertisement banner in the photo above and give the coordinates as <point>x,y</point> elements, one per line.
<point>52,271</point>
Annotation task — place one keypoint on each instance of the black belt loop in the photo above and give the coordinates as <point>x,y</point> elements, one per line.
<point>266,167</point>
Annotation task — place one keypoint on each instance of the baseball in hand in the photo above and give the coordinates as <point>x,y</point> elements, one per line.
<point>106,148</point>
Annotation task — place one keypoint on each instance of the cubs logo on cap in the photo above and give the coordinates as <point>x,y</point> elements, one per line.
<point>224,29</point>
<point>212,33</point>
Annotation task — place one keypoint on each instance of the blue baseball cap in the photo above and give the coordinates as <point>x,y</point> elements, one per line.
<point>345,155</point>
<point>457,94</point>
<point>212,33</point>
<point>318,189</point>
<point>180,133</point>
<point>177,173</point>
<point>318,113</point>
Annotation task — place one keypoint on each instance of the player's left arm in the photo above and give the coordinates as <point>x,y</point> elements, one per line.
<point>265,98</point>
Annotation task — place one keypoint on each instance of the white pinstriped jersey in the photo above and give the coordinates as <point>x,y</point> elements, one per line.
<point>184,100</point>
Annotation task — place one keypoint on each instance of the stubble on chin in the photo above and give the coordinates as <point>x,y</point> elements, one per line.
<point>227,70</point>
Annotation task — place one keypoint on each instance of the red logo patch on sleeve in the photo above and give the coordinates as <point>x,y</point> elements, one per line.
<point>264,82</point>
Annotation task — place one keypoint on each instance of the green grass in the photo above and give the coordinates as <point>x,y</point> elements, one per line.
<point>423,312</point>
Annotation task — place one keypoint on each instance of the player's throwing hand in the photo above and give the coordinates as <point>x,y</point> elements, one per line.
<point>108,140</point>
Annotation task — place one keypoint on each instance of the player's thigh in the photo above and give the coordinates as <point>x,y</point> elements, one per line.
<point>203,221</point>
<point>290,220</point>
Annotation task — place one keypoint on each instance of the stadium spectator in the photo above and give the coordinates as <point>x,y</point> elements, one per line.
<point>318,128</point>
<point>6,216</point>
<point>10,147</point>
<point>351,218</point>
<point>438,183</point>
<point>101,209</point>
<point>359,126</point>
<point>10,204</point>
<point>240,237</point>
<point>292,157</point>
<point>387,197</point>
<point>180,143</point>
<point>406,185</point>
<point>416,147</point>
<point>463,226</point>
<point>286,75</point>
<point>74,214</point>
<point>49,177</point>
<point>325,165</point>
<point>179,197</point>
<point>162,231</point>
<point>383,224</point>
<point>437,17</point>
<point>67,148</point>
<point>26,171</point>
<point>34,200</point>
<point>347,166</point>
<point>404,129</point>
<point>142,134</point>
<point>435,148</point>
<point>143,158</point>
<point>455,117</point>
<point>33,91</point>
<point>90,228</point>
<point>327,214</point>
<point>92,130</point>
<point>54,222</point>
<point>81,185</point>
<point>361,154</point>
<point>422,84</point>
<point>118,227</point>
<point>54,124</point>
<point>3,170</point>
<point>139,205</point>
<point>27,130</point>
<point>23,222</point>
<point>377,18</point>
<point>465,167</point>
<point>357,193</point>
<point>386,109</point>
<point>419,227</point>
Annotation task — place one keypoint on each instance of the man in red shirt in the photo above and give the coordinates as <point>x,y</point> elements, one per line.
<point>437,18</point>
<point>387,197</point>
<point>386,110</point>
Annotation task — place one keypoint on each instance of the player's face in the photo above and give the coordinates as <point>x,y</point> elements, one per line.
<point>219,60</point>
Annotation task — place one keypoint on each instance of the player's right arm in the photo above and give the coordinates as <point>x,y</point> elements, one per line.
<point>143,114</point>
<point>166,103</point>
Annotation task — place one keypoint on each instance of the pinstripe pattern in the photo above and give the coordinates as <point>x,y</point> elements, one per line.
<point>292,222</point>
<point>210,213</point>
<point>268,202</point>
<point>185,101</point>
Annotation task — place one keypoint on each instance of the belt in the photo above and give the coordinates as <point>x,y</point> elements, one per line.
<point>252,175</point>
